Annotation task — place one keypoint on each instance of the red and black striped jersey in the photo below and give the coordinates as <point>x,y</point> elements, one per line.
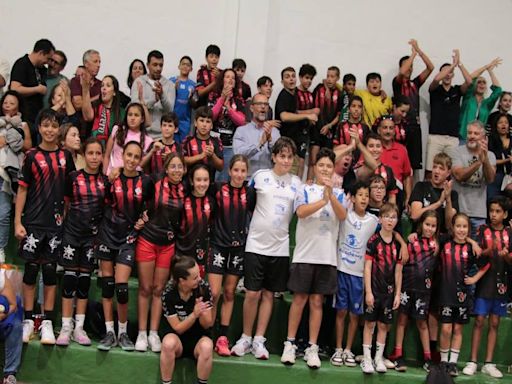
<point>419,270</point>
<point>494,283</point>
<point>244,91</point>
<point>233,214</point>
<point>384,257</point>
<point>456,261</point>
<point>329,106</point>
<point>193,146</point>
<point>204,78</point>
<point>400,132</point>
<point>44,175</point>
<point>305,100</point>
<point>164,212</point>
<point>341,135</point>
<point>125,201</point>
<point>195,228</point>
<point>85,194</point>
<point>156,164</point>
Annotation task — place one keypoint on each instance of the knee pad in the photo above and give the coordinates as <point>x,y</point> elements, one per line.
<point>122,293</point>
<point>108,286</point>
<point>49,274</point>
<point>69,283</point>
<point>83,285</point>
<point>30,274</point>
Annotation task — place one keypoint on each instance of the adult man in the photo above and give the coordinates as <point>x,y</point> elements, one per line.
<point>159,93</point>
<point>255,139</point>
<point>473,168</point>
<point>264,85</point>
<point>56,65</point>
<point>445,109</point>
<point>4,75</point>
<point>92,62</point>
<point>28,78</point>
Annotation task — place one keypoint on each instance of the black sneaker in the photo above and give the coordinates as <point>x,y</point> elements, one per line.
<point>108,342</point>
<point>452,370</point>
<point>400,365</point>
<point>125,343</point>
<point>428,364</point>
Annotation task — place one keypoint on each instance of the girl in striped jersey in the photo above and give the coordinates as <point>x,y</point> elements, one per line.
<point>155,249</point>
<point>234,202</point>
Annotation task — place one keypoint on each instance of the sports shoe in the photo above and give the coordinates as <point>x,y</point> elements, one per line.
<point>380,366</point>
<point>349,359</point>
<point>428,365</point>
<point>46,333</point>
<point>400,365</point>
<point>109,341</point>
<point>242,346</point>
<point>491,370</point>
<point>2,256</point>
<point>141,344</point>
<point>64,336</point>
<point>259,350</point>
<point>288,356</point>
<point>311,357</point>
<point>125,343</point>
<point>367,366</point>
<point>388,363</point>
<point>28,330</point>
<point>222,346</point>
<point>10,379</point>
<point>359,359</point>
<point>155,344</point>
<point>80,336</point>
<point>452,369</point>
<point>470,368</point>
<point>240,286</point>
<point>337,357</point>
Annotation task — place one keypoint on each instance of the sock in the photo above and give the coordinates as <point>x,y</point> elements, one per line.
<point>259,339</point>
<point>244,336</point>
<point>379,350</point>
<point>202,381</point>
<point>154,333</point>
<point>29,315</point>
<point>347,350</point>
<point>433,345</point>
<point>454,355</point>
<point>444,355</point>
<point>142,333</point>
<point>397,351</point>
<point>49,315</point>
<point>487,362</point>
<point>109,325</point>
<point>427,356</point>
<point>66,321</point>
<point>80,320</point>
<point>291,340</point>
<point>122,327</point>
<point>223,331</point>
<point>367,351</point>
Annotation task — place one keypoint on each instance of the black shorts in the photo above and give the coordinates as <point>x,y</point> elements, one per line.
<point>40,246</point>
<point>317,139</point>
<point>312,279</point>
<point>453,314</point>
<point>415,304</point>
<point>382,310</point>
<point>125,254</point>
<point>189,341</point>
<point>301,139</point>
<point>77,253</point>
<point>226,261</point>
<point>413,145</point>
<point>266,272</point>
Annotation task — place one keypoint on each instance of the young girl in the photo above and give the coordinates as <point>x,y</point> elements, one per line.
<point>156,247</point>
<point>132,129</point>
<point>417,278</point>
<point>126,199</point>
<point>234,202</point>
<point>198,209</point>
<point>85,196</point>
<point>70,140</point>
<point>12,107</point>
<point>187,307</point>
<point>456,258</point>
<point>60,102</point>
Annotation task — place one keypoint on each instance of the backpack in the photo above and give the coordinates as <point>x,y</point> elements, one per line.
<point>438,374</point>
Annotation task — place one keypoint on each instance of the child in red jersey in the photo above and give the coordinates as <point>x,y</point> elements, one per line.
<point>207,75</point>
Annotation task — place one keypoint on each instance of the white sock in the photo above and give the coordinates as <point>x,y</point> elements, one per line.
<point>259,339</point>
<point>379,351</point>
<point>244,336</point>
<point>66,321</point>
<point>80,320</point>
<point>143,333</point>
<point>367,351</point>
<point>122,327</point>
<point>155,333</point>
<point>444,355</point>
<point>109,325</point>
<point>454,355</point>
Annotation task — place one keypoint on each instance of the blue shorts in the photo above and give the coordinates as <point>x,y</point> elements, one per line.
<point>484,307</point>
<point>349,295</point>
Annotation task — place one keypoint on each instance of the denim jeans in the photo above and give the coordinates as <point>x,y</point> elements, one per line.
<point>5,218</point>
<point>13,336</point>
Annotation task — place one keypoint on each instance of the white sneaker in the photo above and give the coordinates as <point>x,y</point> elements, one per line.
<point>259,350</point>
<point>349,358</point>
<point>491,370</point>
<point>80,336</point>
<point>311,357</point>
<point>389,364</point>
<point>46,333</point>
<point>470,368</point>
<point>288,356</point>
<point>64,336</point>
<point>154,343</point>
<point>380,366</point>
<point>28,330</point>
<point>141,344</point>
<point>367,366</point>
<point>2,256</point>
<point>242,346</point>
<point>337,357</point>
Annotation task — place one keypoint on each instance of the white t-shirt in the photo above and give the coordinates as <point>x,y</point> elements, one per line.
<point>317,234</point>
<point>2,279</point>
<point>355,231</point>
<point>269,230</point>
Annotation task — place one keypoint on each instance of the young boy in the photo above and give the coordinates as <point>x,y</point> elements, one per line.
<point>374,102</point>
<point>244,90</point>
<point>159,149</point>
<point>38,220</point>
<point>184,89</point>
<point>382,285</point>
<point>377,194</point>
<point>295,125</point>
<point>491,289</point>
<point>202,147</point>
<point>267,249</point>
<point>355,231</point>
<point>264,85</point>
<point>348,88</point>
<point>207,75</point>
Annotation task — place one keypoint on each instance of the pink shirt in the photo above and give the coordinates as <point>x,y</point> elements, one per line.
<point>116,156</point>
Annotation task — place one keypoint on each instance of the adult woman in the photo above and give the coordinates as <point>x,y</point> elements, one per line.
<point>136,69</point>
<point>499,144</point>
<point>70,140</point>
<point>504,105</point>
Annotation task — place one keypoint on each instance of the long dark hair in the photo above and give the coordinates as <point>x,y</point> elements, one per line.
<point>180,266</point>
<point>129,81</point>
<point>220,83</point>
<point>122,130</point>
<point>115,109</point>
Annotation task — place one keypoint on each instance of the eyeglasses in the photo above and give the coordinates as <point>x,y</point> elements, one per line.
<point>261,103</point>
<point>51,60</point>
<point>390,218</point>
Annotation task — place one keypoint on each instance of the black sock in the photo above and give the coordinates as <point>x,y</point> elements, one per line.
<point>201,381</point>
<point>29,315</point>
<point>49,315</point>
<point>433,345</point>
<point>223,330</point>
